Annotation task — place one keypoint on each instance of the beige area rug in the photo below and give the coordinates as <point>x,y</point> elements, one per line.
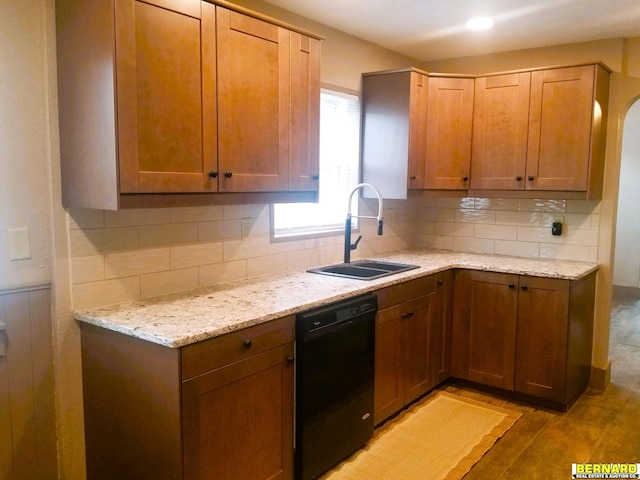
<point>440,437</point>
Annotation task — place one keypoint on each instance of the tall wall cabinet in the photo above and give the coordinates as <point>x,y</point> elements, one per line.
<point>163,101</point>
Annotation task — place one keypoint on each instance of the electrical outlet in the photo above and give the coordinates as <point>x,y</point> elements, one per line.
<point>19,245</point>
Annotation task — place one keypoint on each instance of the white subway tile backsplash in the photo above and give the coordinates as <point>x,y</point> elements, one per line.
<point>576,236</point>
<point>126,255</point>
<point>87,269</point>
<point>517,249</point>
<point>154,284</point>
<point>454,229</point>
<point>496,232</point>
<point>475,245</point>
<point>582,206</point>
<point>196,214</point>
<point>153,236</point>
<point>103,240</point>
<point>267,264</point>
<point>538,234</point>
<point>542,205</point>
<point>125,264</point>
<point>245,211</point>
<point>475,216</point>
<point>565,252</point>
<point>509,204</point>
<point>437,214</point>
<point>435,241</point>
<point>251,247</point>
<point>137,216</point>
<point>196,255</point>
<point>80,218</point>
<point>222,272</point>
<point>107,292</point>
<point>518,218</point>
<point>219,231</point>
<point>455,202</point>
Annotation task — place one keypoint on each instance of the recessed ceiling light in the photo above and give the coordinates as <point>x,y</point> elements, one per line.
<point>480,23</point>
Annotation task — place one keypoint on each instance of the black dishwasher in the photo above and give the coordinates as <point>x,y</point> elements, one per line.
<point>335,349</point>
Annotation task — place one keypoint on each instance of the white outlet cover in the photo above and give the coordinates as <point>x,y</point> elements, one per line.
<point>19,244</point>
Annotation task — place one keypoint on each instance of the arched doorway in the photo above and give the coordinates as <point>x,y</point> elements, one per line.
<point>626,271</point>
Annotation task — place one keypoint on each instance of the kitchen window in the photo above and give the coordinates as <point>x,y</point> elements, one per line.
<point>339,172</point>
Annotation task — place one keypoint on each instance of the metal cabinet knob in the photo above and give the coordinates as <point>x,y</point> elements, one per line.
<point>518,178</point>
<point>465,178</point>
<point>531,178</point>
<point>228,174</point>
<point>213,174</point>
<point>247,343</point>
<point>511,285</point>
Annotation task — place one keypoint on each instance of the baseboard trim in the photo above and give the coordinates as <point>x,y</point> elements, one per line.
<point>600,378</point>
<point>622,292</point>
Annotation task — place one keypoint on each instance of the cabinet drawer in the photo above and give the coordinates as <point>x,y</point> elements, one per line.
<point>204,356</point>
<point>403,310</point>
<point>402,292</point>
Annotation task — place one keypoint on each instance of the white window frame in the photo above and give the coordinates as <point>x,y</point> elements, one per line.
<point>345,173</point>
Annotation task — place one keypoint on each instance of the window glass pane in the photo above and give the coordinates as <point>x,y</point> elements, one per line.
<point>339,161</point>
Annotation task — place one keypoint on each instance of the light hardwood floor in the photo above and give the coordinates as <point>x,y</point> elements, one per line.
<point>598,428</point>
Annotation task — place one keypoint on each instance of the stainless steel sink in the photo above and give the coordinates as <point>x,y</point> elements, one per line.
<point>363,269</point>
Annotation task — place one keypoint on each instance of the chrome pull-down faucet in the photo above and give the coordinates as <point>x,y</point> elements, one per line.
<point>348,246</point>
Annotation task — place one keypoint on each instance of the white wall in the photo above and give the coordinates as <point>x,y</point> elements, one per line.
<point>626,270</point>
<point>24,155</point>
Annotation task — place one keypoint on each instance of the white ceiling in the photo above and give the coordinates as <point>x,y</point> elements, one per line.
<point>435,29</point>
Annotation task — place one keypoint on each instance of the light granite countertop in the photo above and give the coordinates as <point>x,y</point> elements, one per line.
<point>181,319</point>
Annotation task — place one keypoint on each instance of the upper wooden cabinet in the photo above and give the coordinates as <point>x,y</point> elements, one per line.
<point>524,133</point>
<point>500,126</point>
<point>167,97</point>
<point>541,131</point>
<point>449,122</point>
<point>394,115</point>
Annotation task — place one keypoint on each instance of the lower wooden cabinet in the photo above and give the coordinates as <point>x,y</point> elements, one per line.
<point>531,335</point>
<point>412,342</point>
<point>217,409</point>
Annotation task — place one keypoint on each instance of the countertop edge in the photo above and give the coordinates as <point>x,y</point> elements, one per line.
<point>116,317</point>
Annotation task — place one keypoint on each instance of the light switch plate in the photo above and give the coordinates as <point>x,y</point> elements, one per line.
<point>19,245</point>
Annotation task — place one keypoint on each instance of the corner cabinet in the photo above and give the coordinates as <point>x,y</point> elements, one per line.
<point>412,342</point>
<point>163,97</point>
<point>530,335</point>
<point>394,116</point>
<point>217,409</point>
<point>537,133</point>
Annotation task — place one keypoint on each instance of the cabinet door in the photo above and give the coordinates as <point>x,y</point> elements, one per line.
<point>484,327</point>
<point>388,382</point>
<point>440,329</point>
<point>543,313</point>
<point>500,124</point>
<point>165,69</point>
<point>417,130</point>
<point>304,164</point>
<point>253,103</point>
<point>560,128</point>
<point>417,320</point>
<point>449,122</point>
<point>238,419</point>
